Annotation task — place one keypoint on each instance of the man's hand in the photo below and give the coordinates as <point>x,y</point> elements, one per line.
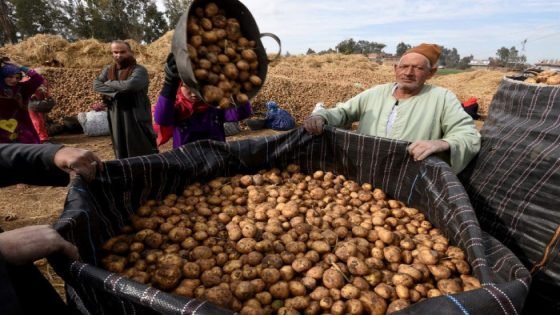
<point>76,161</point>
<point>421,149</point>
<point>314,125</point>
<point>27,244</point>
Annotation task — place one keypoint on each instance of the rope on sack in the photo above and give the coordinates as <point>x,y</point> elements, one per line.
<point>546,255</point>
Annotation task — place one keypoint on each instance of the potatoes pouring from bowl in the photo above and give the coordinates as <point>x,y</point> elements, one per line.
<point>224,62</point>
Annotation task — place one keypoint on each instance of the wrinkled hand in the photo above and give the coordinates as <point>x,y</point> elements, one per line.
<point>314,125</point>
<point>27,244</point>
<point>76,161</point>
<point>421,149</point>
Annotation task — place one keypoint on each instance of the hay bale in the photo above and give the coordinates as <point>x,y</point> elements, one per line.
<point>159,49</point>
<point>35,50</point>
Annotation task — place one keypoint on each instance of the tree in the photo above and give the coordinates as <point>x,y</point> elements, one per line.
<point>328,51</point>
<point>8,34</point>
<point>349,46</point>
<point>346,46</point>
<point>32,17</point>
<point>503,56</point>
<point>449,57</point>
<point>151,22</point>
<point>174,9</point>
<point>117,19</point>
<point>310,51</point>
<point>464,62</point>
<point>402,48</point>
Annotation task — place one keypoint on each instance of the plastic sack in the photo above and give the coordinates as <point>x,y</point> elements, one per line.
<point>277,118</point>
<point>94,123</point>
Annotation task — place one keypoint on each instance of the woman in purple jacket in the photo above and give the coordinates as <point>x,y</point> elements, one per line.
<point>180,113</point>
<point>15,123</point>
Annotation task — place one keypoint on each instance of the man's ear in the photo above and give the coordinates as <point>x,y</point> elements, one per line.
<point>433,71</point>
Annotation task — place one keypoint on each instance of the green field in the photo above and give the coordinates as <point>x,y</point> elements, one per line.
<point>448,71</point>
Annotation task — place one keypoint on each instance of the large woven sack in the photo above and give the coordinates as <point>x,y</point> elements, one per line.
<point>96,211</point>
<point>514,184</point>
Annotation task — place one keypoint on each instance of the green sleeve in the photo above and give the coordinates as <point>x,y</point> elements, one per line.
<point>344,113</point>
<point>460,132</point>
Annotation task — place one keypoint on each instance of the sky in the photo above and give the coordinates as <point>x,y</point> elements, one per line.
<point>474,27</point>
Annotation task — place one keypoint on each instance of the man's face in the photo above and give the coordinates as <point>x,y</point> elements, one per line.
<point>412,72</point>
<point>120,52</point>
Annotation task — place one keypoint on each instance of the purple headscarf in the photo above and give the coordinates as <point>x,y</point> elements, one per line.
<point>6,71</point>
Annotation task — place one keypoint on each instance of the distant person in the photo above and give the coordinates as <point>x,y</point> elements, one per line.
<point>39,119</point>
<point>15,123</point>
<point>181,114</point>
<point>430,117</point>
<point>124,88</point>
<point>23,289</point>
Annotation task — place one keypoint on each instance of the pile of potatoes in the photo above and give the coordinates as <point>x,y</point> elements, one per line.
<point>549,77</point>
<point>224,61</point>
<point>282,242</point>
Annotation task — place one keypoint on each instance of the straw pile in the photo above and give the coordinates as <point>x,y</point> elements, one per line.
<point>297,83</point>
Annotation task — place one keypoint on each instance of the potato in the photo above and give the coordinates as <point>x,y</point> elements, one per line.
<point>372,303</point>
<point>301,265</point>
<point>357,266</point>
<point>440,272</point>
<point>433,293</point>
<point>402,279</point>
<point>319,293</point>
<point>397,305</point>
<point>270,275</point>
<point>231,71</point>
<point>219,295</point>
<point>212,93</point>
<point>167,277</point>
<point>296,288</point>
<point>280,290</point>
<point>345,250</point>
<point>244,290</point>
<point>211,9</point>
<point>255,80</point>
<point>392,254</point>
<point>114,263</point>
<point>354,306</point>
<point>411,271</point>
<point>450,286</point>
<point>349,291</point>
<point>385,291</point>
<point>333,279</point>
<point>246,245</point>
<point>428,256</point>
<point>338,308</point>
<point>455,253</point>
<point>315,272</point>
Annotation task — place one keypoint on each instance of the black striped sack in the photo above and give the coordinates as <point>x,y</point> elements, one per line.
<point>514,184</point>
<point>96,211</point>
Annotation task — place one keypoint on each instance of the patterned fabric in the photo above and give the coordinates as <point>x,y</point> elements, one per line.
<point>514,183</point>
<point>96,211</point>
